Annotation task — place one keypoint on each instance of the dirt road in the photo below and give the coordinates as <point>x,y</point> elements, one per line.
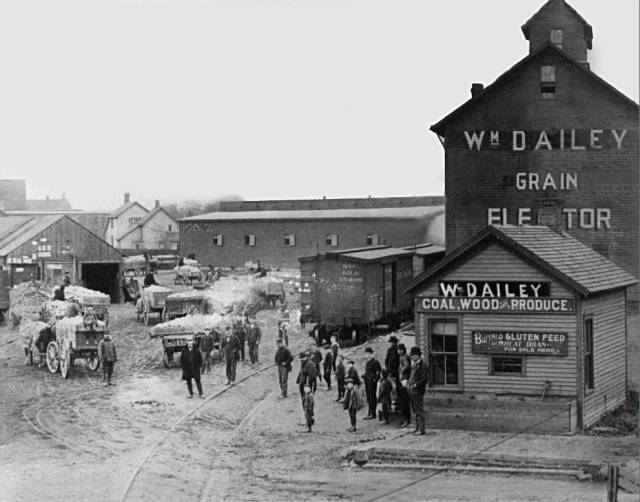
<point>142,439</point>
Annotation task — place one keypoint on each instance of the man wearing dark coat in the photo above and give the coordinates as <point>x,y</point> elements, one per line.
<point>371,377</point>
<point>206,346</point>
<point>417,386</point>
<point>316,358</point>
<point>307,374</point>
<point>239,333</point>
<point>404,372</point>
<point>191,363</point>
<point>231,351</point>
<point>327,364</point>
<point>392,361</point>
<point>352,373</point>
<point>253,340</point>
<point>283,361</point>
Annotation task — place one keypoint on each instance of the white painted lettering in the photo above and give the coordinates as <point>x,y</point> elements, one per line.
<point>536,289</point>
<point>573,141</point>
<point>474,140</point>
<point>448,290</point>
<point>472,290</point>
<point>543,140</point>
<point>587,218</point>
<point>494,216</point>
<point>495,137</point>
<point>619,137</point>
<point>568,181</point>
<point>519,140</point>
<point>521,181</point>
<point>549,182</point>
<point>524,215</point>
<point>486,290</point>
<point>595,139</point>
<point>604,217</point>
<point>561,139</point>
<point>570,212</point>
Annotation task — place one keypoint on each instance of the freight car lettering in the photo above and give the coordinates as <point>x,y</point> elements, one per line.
<point>515,305</point>
<point>553,139</point>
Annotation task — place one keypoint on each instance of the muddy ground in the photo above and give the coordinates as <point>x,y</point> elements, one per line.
<point>142,439</point>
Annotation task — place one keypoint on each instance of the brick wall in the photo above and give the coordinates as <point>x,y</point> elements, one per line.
<point>310,238</point>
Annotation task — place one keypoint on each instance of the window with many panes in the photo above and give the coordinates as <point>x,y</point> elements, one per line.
<point>373,239</point>
<point>332,240</point>
<point>556,38</point>
<point>548,82</point>
<point>289,240</point>
<point>250,240</point>
<point>444,351</point>
<point>503,365</point>
<point>587,351</point>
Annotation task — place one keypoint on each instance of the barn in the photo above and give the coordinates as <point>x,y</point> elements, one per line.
<point>45,247</point>
<point>522,327</point>
<point>549,142</point>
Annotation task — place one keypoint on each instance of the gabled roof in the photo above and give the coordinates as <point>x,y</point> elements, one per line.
<point>145,219</point>
<point>560,255</point>
<point>9,224</point>
<point>125,207</point>
<point>26,232</point>
<point>47,204</point>
<point>321,214</point>
<point>490,90</point>
<point>588,30</point>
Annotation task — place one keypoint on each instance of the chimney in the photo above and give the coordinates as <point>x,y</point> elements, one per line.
<point>476,89</point>
<point>157,204</point>
<point>47,197</point>
<point>127,198</point>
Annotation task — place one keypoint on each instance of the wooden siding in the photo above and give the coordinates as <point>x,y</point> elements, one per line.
<point>609,353</point>
<point>496,263</point>
<point>87,247</point>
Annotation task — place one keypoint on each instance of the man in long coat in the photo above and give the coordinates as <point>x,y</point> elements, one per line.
<point>371,377</point>
<point>253,340</point>
<point>307,374</point>
<point>231,352</point>
<point>417,386</point>
<point>283,361</point>
<point>191,363</point>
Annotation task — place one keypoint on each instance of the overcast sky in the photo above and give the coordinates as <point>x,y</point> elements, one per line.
<point>195,99</point>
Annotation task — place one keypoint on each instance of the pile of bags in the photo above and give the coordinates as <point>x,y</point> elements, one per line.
<point>86,296</point>
<point>191,324</point>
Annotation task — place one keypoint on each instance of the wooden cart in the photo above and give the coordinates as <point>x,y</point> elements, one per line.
<point>151,301</point>
<point>187,274</point>
<point>185,303</point>
<point>173,341</point>
<point>74,340</point>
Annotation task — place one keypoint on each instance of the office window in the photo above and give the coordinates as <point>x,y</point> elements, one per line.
<point>250,240</point>
<point>289,240</point>
<point>174,245</point>
<point>556,38</point>
<point>587,351</point>
<point>373,239</point>
<point>217,240</point>
<point>548,82</point>
<point>332,240</point>
<point>506,365</point>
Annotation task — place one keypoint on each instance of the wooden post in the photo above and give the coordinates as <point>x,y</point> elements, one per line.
<point>612,483</point>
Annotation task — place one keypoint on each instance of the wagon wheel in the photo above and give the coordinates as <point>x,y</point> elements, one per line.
<point>167,358</point>
<point>65,361</point>
<point>51,357</point>
<point>94,362</point>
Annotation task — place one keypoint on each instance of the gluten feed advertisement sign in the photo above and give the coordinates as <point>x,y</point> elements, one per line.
<point>519,342</point>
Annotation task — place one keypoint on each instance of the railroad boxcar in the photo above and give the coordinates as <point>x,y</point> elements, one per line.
<point>352,292</point>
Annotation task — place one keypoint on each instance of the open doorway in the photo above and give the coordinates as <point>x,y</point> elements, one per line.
<point>102,277</point>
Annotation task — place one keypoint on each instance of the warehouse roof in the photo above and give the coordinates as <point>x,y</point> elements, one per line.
<point>425,249</point>
<point>9,224</point>
<point>47,204</point>
<point>26,232</point>
<point>559,254</point>
<point>322,214</point>
<point>377,254</point>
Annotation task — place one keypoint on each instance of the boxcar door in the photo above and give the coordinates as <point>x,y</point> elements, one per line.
<point>389,287</point>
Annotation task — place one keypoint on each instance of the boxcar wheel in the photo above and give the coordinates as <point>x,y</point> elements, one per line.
<point>65,362</point>
<point>51,356</point>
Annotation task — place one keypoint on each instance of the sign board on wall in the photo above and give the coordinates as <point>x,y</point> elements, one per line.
<point>495,289</point>
<point>518,342</point>
<point>497,305</point>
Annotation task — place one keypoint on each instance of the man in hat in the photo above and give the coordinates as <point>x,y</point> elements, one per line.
<point>253,340</point>
<point>417,385</point>
<point>403,404</point>
<point>239,333</point>
<point>231,350</point>
<point>191,363</point>
<point>307,374</point>
<point>206,346</point>
<point>335,349</point>
<point>107,356</point>
<point>392,361</point>
<point>371,377</point>
<point>283,361</point>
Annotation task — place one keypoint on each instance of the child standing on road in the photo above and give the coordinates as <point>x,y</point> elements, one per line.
<point>384,396</point>
<point>340,376</point>
<point>308,404</point>
<point>352,403</point>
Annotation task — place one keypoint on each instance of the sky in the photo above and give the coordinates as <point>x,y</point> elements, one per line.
<point>267,99</point>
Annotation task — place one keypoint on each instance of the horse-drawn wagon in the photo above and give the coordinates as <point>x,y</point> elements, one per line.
<point>89,300</point>
<point>185,303</point>
<point>152,301</point>
<point>75,338</point>
<point>175,334</point>
<point>187,274</point>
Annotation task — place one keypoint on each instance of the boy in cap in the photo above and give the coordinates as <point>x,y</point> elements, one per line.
<point>352,372</point>
<point>307,405</point>
<point>352,403</point>
<point>107,357</point>
<point>384,396</point>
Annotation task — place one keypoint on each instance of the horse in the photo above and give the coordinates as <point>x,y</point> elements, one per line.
<point>36,334</point>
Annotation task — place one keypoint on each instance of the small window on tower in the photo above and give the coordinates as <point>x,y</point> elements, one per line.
<point>548,82</point>
<point>556,38</point>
